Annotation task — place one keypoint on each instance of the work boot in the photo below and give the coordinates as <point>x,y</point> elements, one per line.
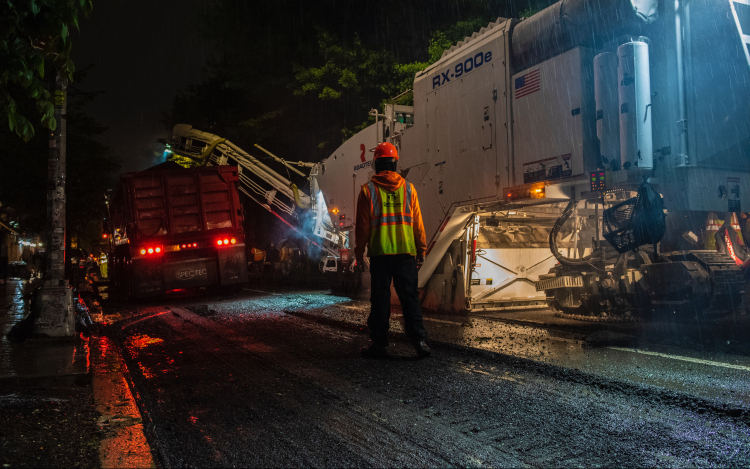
<point>422,349</point>
<point>374,351</point>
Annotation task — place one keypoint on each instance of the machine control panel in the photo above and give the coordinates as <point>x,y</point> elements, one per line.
<point>598,181</point>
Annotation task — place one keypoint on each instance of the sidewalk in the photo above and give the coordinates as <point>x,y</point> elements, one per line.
<point>64,403</point>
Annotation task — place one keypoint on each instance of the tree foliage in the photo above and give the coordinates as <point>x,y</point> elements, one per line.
<point>91,169</point>
<point>34,34</point>
<point>298,77</point>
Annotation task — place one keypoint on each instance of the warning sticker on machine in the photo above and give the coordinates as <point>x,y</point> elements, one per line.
<point>557,167</point>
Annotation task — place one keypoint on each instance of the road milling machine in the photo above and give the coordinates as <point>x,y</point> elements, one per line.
<point>578,158</point>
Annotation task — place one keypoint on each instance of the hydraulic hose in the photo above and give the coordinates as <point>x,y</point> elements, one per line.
<point>553,241</point>
<point>297,199</point>
<point>203,157</point>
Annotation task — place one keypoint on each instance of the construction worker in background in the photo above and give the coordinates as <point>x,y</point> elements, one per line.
<point>389,224</point>
<point>285,258</point>
<point>259,256</point>
<point>103,265</point>
<point>90,265</point>
<point>272,257</point>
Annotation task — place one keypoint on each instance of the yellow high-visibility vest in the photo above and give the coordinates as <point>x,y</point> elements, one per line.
<point>391,229</point>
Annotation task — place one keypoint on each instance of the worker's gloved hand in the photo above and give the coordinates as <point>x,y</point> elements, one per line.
<point>360,267</point>
<point>420,261</point>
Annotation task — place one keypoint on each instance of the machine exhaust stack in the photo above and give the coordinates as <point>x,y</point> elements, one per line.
<point>634,90</point>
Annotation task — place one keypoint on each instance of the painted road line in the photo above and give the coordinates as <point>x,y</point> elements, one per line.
<point>130,323</point>
<point>262,291</point>
<point>684,359</point>
<point>443,320</point>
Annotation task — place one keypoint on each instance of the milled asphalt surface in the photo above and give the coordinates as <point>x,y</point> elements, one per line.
<point>719,379</point>
<point>276,380</point>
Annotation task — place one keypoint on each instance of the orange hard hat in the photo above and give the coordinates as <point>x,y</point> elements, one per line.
<point>386,150</point>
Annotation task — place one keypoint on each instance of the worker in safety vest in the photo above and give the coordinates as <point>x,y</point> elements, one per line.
<point>389,224</point>
<point>103,265</point>
<point>259,257</point>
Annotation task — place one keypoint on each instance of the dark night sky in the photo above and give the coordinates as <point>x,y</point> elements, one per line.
<point>143,52</point>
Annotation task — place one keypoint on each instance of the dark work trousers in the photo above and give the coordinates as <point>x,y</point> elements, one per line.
<point>402,269</point>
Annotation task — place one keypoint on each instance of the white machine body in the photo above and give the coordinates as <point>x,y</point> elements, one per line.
<point>511,111</point>
<point>634,93</point>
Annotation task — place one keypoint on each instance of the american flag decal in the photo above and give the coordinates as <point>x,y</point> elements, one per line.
<point>528,83</point>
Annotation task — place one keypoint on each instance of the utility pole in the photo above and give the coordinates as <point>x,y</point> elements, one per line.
<point>55,315</point>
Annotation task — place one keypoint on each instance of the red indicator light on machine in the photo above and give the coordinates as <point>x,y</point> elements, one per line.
<point>105,235</point>
<point>158,250</point>
<point>150,250</point>
<point>226,241</point>
<point>233,241</point>
<point>195,245</point>
<point>219,242</point>
<point>143,251</point>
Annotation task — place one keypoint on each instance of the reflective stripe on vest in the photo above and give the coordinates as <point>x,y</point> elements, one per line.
<point>391,229</point>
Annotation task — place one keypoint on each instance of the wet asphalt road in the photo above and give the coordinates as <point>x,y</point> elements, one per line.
<point>244,384</point>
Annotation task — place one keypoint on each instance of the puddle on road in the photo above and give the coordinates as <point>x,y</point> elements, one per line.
<point>141,341</point>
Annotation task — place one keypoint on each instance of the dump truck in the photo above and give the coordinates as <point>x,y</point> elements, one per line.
<point>175,228</point>
<point>533,145</point>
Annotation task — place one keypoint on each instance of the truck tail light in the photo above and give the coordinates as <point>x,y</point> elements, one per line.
<point>233,241</point>
<point>151,250</point>
<point>226,241</point>
<point>219,242</point>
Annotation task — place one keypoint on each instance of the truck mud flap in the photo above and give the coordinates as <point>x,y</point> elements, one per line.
<point>233,265</point>
<point>190,273</point>
<point>148,278</point>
